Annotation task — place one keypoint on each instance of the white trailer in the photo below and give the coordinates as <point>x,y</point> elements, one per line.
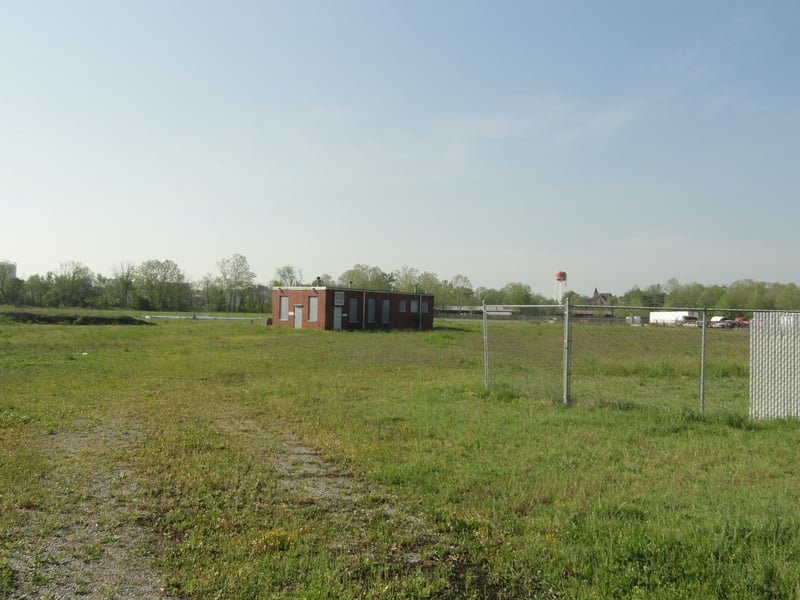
<point>673,317</point>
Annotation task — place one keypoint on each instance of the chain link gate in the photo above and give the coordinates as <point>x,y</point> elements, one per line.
<point>775,365</point>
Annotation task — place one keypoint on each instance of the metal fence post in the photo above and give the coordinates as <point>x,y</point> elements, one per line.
<point>485,346</point>
<point>567,349</point>
<point>703,362</point>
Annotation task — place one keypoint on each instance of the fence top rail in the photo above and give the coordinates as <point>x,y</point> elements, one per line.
<point>507,307</point>
<point>496,307</point>
<point>675,308</point>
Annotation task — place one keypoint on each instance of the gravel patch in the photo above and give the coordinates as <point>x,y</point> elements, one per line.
<point>89,546</point>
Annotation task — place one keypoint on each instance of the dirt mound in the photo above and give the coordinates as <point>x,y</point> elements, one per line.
<point>65,319</point>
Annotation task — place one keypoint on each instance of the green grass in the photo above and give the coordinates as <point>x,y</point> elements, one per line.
<point>454,491</point>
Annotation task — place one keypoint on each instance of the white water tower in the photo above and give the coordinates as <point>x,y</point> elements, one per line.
<point>561,285</point>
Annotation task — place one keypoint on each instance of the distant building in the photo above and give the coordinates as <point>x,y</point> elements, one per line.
<point>601,298</point>
<point>8,269</point>
<point>350,309</point>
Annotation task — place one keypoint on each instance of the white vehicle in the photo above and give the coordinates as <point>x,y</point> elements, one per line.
<point>720,322</point>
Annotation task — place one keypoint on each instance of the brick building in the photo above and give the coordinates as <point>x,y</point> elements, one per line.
<point>349,309</point>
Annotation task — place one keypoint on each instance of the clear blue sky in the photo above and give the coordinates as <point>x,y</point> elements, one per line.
<point>625,142</point>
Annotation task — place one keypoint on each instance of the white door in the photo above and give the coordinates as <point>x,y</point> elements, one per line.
<point>298,316</point>
<point>337,318</point>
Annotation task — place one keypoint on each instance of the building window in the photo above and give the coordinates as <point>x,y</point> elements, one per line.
<point>385,311</point>
<point>371,310</point>
<point>402,307</point>
<point>425,307</point>
<point>313,309</point>
<point>283,312</point>
<point>414,306</point>
<point>352,315</point>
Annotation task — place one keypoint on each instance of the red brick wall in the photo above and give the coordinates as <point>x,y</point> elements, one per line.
<point>397,318</point>
<point>298,296</point>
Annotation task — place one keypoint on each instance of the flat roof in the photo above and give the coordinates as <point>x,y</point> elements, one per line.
<point>299,288</point>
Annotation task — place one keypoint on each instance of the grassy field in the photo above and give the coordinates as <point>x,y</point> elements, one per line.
<point>227,459</point>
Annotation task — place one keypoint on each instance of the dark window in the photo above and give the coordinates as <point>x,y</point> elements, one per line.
<point>385,311</point>
<point>352,315</point>
<point>370,310</point>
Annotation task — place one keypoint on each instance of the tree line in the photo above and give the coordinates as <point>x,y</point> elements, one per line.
<point>154,285</point>
<point>161,285</point>
<point>741,294</point>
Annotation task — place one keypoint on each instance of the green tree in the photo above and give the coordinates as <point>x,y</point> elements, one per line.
<point>208,294</point>
<point>710,296</point>
<point>123,277</point>
<point>684,295</point>
<point>73,285</point>
<point>288,276</point>
<point>633,297</point>
<point>744,293</point>
<point>428,283</point>
<point>162,286</point>
<point>461,290</point>
<point>782,296</point>
<point>261,298</point>
<point>7,273</point>
<point>102,291</point>
<point>12,292</point>
<point>653,296</point>
<point>366,277</point>
<point>405,278</point>
<point>236,281</point>
<point>488,295</point>
<point>540,299</point>
<point>326,280</point>
<point>37,289</point>
<point>516,293</point>
<point>11,287</point>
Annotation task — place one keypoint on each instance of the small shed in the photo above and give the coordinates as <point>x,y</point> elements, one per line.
<point>336,309</point>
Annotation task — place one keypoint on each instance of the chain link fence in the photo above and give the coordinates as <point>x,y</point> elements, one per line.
<point>775,365</point>
<point>624,357</point>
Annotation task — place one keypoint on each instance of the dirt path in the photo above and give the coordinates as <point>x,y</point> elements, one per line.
<point>90,546</point>
<point>96,542</point>
<point>309,480</point>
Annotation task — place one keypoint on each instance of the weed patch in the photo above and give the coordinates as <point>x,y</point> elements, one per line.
<point>10,417</point>
<point>8,579</point>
